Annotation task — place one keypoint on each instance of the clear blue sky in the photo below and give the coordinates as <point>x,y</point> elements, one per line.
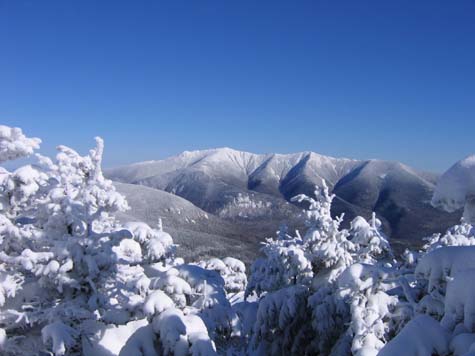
<point>390,79</point>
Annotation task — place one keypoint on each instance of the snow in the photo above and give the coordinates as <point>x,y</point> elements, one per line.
<point>3,338</point>
<point>172,284</point>
<point>245,206</point>
<point>9,285</point>
<point>156,243</point>
<point>14,144</point>
<point>329,245</point>
<point>461,343</point>
<point>128,251</point>
<point>157,302</point>
<point>370,306</point>
<point>108,340</point>
<point>234,264</point>
<point>445,262</point>
<point>182,335</point>
<point>423,336</point>
<point>61,336</point>
<point>232,270</point>
<point>140,231</point>
<point>456,188</point>
<point>460,301</point>
<point>141,342</point>
<point>26,179</point>
<point>459,235</point>
<point>369,239</point>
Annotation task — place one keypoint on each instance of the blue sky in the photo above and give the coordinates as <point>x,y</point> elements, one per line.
<point>362,79</point>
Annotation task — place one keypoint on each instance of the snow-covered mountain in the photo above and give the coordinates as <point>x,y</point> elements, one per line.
<point>235,185</point>
<point>222,180</point>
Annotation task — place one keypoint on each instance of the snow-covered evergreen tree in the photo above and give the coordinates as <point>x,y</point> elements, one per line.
<point>371,243</point>
<point>232,270</point>
<point>313,287</point>
<point>284,263</point>
<point>61,242</point>
<point>329,248</point>
<point>71,275</point>
<point>462,234</point>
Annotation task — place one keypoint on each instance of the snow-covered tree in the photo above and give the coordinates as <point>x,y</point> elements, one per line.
<point>371,243</point>
<point>284,263</point>
<point>332,278</point>
<point>232,270</point>
<point>422,336</point>
<point>327,245</point>
<point>372,310</point>
<point>462,234</point>
<point>13,188</point>
<point>61,241</point>
<point>444,310</point>
<point>71,274</point>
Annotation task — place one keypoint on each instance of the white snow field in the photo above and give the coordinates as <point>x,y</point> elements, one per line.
<point>85,271</point>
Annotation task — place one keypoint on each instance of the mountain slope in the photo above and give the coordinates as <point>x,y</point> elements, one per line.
<point>398,194</point>
<point>199,234</point>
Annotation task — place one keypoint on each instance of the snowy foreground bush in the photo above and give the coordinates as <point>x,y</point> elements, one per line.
<point>76,281</point>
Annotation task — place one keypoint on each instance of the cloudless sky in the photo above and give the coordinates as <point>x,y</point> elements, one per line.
<point>389,79</point>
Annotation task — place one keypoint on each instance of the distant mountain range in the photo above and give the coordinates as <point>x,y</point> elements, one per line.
<point>228,200</point>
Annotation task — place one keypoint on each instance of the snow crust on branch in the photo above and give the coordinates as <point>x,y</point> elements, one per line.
<point>14,144</point>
